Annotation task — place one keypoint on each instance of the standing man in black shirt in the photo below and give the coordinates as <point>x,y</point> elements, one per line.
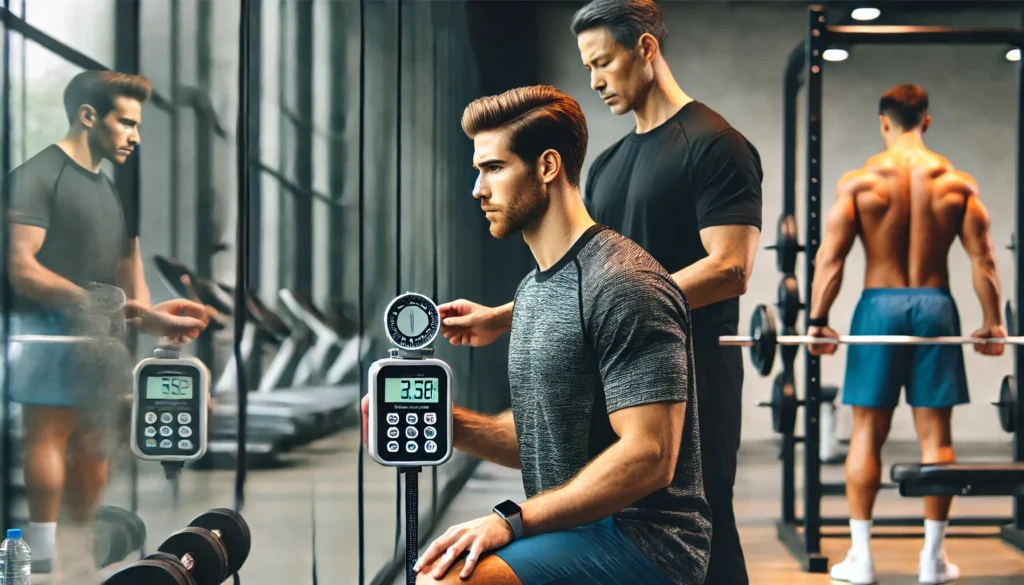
<point>686,186</point>
<point>76,269</point>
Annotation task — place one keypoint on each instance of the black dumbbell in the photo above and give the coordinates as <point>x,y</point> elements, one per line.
<point>213,547</point>
<point>118,532</point>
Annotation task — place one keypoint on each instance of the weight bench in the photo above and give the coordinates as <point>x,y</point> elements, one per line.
<point>959,479</point>
<point>965,479</point>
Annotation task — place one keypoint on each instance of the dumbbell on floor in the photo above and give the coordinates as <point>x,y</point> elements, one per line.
<point>213,547</point>
<point>117,532</point>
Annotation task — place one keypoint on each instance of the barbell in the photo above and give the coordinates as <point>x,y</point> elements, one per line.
<point>764,339</point>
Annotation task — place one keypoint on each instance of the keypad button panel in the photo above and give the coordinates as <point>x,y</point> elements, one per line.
<point>410,436</point>
<point>168,431</point>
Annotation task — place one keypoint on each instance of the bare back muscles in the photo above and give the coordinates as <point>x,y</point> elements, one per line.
<point>908,206</point>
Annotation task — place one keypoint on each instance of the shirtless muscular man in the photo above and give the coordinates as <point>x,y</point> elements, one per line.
<point>908,205</point>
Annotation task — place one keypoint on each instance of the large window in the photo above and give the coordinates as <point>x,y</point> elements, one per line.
<point>38,79</point>
<point>84,25</point>
<point>155,54</point>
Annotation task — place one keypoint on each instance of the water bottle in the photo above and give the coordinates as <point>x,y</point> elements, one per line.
<point>15,560</point>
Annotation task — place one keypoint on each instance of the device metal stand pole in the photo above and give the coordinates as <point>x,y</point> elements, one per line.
<point>412,515</point>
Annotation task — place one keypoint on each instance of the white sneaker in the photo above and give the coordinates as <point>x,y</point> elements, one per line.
<point>854,570</point>
<point>935,571</point>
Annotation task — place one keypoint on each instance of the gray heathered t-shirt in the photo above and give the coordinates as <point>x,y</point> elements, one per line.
<point>607,328</point>
<point>89,229</point>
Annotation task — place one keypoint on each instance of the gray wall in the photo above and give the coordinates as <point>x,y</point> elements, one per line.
<point>731,56</point>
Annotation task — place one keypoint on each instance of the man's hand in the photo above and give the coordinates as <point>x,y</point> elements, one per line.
<point>989,332</point>
<point>179,320</point>
<point>467,323</point>
<point>822,348</point>
<point>477,536</point>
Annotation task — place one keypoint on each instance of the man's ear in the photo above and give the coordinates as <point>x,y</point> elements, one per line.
<point>87,116</point>
<point>548,166</point>
<point>924,125</point>
<point>648,46</point>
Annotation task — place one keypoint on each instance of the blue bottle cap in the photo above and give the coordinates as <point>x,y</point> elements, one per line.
<point>14,533</point>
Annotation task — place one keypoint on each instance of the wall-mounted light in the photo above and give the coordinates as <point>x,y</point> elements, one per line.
<point>835,55</point>
<point>1013,55</point>
<point>865,13</point>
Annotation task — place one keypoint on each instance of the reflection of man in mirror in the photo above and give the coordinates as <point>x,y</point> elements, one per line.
<point>73,250</point>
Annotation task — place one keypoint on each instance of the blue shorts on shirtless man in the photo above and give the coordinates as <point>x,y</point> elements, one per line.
<point>933,375</point>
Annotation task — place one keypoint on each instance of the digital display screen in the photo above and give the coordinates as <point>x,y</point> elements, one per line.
<point>169,388</point>
<point>410,390</point>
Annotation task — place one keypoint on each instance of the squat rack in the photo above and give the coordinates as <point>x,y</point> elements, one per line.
<point>802,536</point>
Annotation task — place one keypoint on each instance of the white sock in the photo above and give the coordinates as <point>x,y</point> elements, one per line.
<point>934,531</point>
<point>860,537</point>
<point>42,539</point>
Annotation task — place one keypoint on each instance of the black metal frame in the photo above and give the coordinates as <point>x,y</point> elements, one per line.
<point>6,443</point>
<point>802,536</point>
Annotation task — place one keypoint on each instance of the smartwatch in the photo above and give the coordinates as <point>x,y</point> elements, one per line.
<point>512,514</point>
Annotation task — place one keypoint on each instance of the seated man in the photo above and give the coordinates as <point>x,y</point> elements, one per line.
<point>907,204</point>
<point>603,421</point>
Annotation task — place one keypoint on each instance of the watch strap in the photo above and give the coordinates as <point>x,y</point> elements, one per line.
<point>515,521</point>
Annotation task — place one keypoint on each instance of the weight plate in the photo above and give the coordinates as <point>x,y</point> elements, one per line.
<point>234,534</point>
<point>201,552</point>
<point>150,572</point>
<point>174,565</point>
<point>764,334</point>
<point>784,403</point>
<point>786,246</point>
<point>162,556</point>
<point>1008,404</point>
<point>1010,315</point>
<point>788,301</point>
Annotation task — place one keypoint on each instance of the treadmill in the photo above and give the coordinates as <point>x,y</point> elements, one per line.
<point>272,426</point>
<point>299,414</point>
<point>330,358</point>
<point>330,403</point>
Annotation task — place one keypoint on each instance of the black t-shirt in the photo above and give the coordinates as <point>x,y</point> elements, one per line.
<point>89,228</point>
<point>662,187</point>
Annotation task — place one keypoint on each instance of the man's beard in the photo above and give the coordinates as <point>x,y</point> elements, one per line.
<point>525,209</point>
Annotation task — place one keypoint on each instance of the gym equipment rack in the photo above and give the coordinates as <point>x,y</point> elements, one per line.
<point>802,536</point>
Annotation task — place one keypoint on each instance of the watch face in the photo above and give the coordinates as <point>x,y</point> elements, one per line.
<point>507,508</point>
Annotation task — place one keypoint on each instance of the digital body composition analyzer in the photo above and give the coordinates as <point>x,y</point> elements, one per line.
<point>169,409</point>
<point>410,410</point>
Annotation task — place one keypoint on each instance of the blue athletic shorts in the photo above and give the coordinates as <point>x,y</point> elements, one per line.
<point>61,374</point>
<point>598,553</point>
<point>933,374</point>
